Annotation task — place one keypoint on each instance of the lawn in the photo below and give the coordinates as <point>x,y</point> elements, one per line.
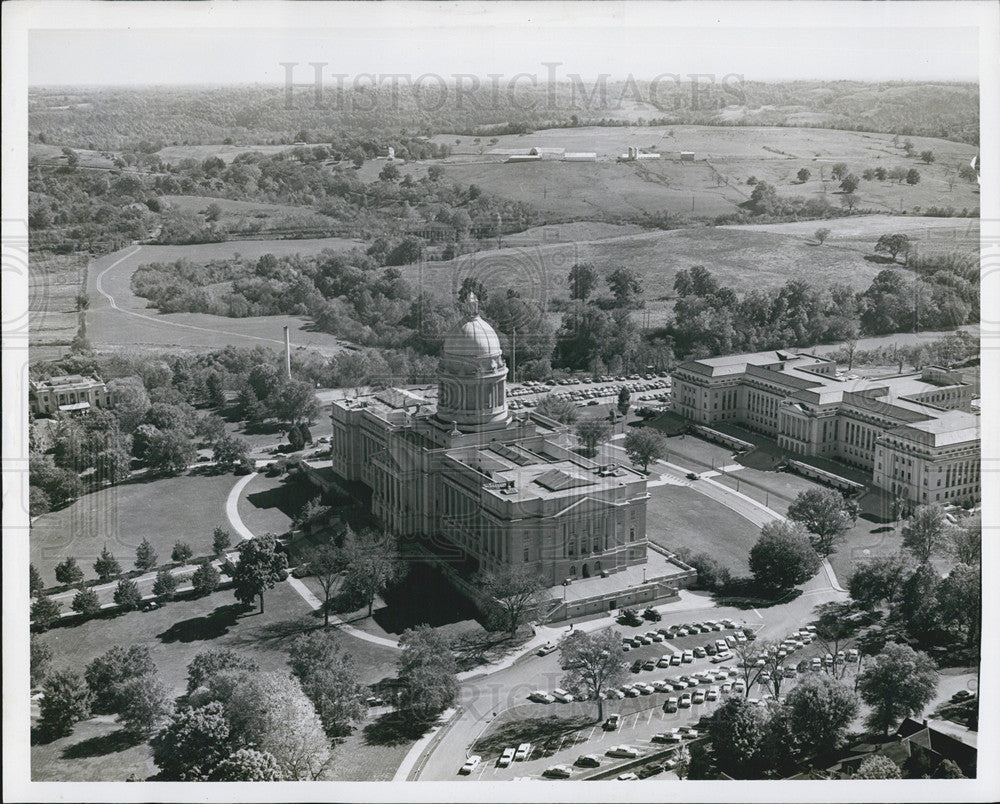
<point>677,516</point>
<point>268,504</point>
<point>165,510</point>
<point>174,635</point>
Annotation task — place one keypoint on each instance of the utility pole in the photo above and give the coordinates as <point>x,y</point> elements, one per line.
<point>513,357</point>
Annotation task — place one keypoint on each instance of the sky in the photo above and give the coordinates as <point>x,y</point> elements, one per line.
<point>858,42</point>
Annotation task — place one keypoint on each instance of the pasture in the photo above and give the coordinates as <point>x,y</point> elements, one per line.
<point>53,284</point>
<point>173,154</point>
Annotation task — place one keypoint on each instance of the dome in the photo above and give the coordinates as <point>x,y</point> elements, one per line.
<point>472,339</point>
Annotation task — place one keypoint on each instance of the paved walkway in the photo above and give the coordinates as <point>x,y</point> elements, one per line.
<point>418,748</point>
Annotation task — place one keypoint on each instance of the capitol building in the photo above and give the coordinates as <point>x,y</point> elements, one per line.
<point>490,487</point>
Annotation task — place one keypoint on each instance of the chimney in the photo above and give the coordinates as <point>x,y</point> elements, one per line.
<point>288,355</point>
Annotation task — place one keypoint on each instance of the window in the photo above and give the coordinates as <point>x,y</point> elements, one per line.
<point>631,534</point>
<point>525,554</point>
<point>572,570</point>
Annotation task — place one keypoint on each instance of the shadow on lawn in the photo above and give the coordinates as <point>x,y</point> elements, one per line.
<point>208,627</point>
<point>101,745</point>
<point>392,728</point>
<point>288,498</point>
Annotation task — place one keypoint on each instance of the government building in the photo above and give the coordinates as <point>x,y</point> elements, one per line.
<point>491,487</point>
<point>915,434</point>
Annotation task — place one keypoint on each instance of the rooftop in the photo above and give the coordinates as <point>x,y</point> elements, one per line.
<point>67,381</point>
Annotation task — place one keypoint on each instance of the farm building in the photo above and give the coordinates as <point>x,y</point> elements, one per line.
<point>582,156</point>
<point>687,156</point>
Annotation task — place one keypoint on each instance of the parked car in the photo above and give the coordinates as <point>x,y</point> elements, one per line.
<point>628,777</point>
<point>691,734</point>
<point>664,661</point>
<point>687,657</point>
<point>470,765</point>
<point>588,761</point>
<point>636,666</point>
<point>632,692</point>
<point>670,705</point>
<point>624,751</point>
<point>546,649</point>
<point>675,660</point>
<point>558,772</point>
<point>540,696</point>
<point>685,701</point>
<point>614,694</point>
<point>652,615</point>
<point>710,649</point>
<point>691,476</point>
<point>698,697</point>
<point>506,757</point>
<point>649,664</point>
<point>613,722</point>
<point>661,686</point>
<point>523,752</point>
<point>712,694</point>
<point>646,689</point>
<point>699,653</point>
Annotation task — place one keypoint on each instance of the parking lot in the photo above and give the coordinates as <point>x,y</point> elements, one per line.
<point>643,715</point>
<point>645,388</point>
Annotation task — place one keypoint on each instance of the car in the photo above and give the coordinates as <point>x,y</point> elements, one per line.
<point>652,615</point>
<point>628,777</point>
<point>698,697</point>
<point>646,689</point>
<point>588,761</point>
<point>712,694</point>
<point>961,695</point>
<point>540,696</point>
<point>681,632</point>
<point>506,757</point>
<point>739,687</point>
<point>685,701</point>
<point>690,734</point>
<point>788,671</point>
<point>645,640</point>
<point>523,752</point>
<point>811,629</point>
<point>687,657</point>
<point>562,696</point>
<point>613,722</point>
<point>656,636</point>
<point>710,649</point>
<point>740,637</point>
<point>722,657</point>
<point>765,677</point>
<point>669,634</point>
<point>828,660</point>
<point>699,653</point>
<point>718,627</point>
<point>614,694</point>
<point>816,665</point>
<point>661,686</point>
<point>678,685</point>
<point>470,765</point>
<point>691,476</point>
<point>546,649</point>
<point>726,688</point>
<point>374,700</point>
<point>675,660</point>
<point>623,751</point>
<point>151,605</point>
<point>664,661</point>
<point>852,654</point>
<point>670,705</point>
<point>649,664</point>
<point>558,772</point>
<point>721,645</point>
<point>632,692</point>
<point>636,666</point>
<point>802,633</point>
<point>731,641</point>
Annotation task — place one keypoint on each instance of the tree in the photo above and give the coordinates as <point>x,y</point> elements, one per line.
<point>109,672</point>
<point>737,730</point>
<point>145,556</point>
<point>127,595</point>
<point>821,235</point>
<point>850,183</point>
<point>624,401</point>
<point>389,173</point>
<point>248,765</point>
<point>898,173</point>
<point>764,199</point>
<point>181,553</point>
<point>561,410</point>
<point>170,451</point>
<point>965,540</point>
<point>913,176</point>
<point>592,432</point>
<point>371,563</point>
<point>819,710</point>
<point>131,401</point>
<point>517,588</point>
<point>893,244</point>
<point>625,286</point>
<point>877,767</point>
<point>868,174</point>
<point>258,568</point>
<point>839,170</point>
<point>86,602</point>
<point>582,281</point>
<point>209,663</point>
<point>877,579</point>
<point>880,174</point>
<point>426,672</point>
<point>143,705</point>
<point>825,513</point>
<point>849,201</point>
<point>329,678</point>
<point>295,440</point>
<point>205,579</point>
<point>959,603</point>
<point>221,540</point>
<point>65,702</point>
<point>44,612</point>
<point>908,147</point>
<point>229,450</point>
<point>41,661</point>
<point>968,173</point>
<point>192,743</point>
<point>803,175</point>
<point>68,572</point>
<point>165,584</point>
<point>35,585</point>
<point>644,445</point>
<point>927,157</point>
<point>326,563</point>
<point>270,712</point>
<point>899,683</point>
<point>783,556</point>
<point>593,663</point>
<point>923,534</point>
<point>107,566</point>
<point>294,402</point>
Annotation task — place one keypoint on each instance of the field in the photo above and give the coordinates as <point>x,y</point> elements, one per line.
<point>725,157</point>
<point>53,284</point>
<point>185,508</point>
<point>743,257</point>
<point>124,318</point>
<point>173,154</point>
<point>174,635</point>
<point>238,216</point>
